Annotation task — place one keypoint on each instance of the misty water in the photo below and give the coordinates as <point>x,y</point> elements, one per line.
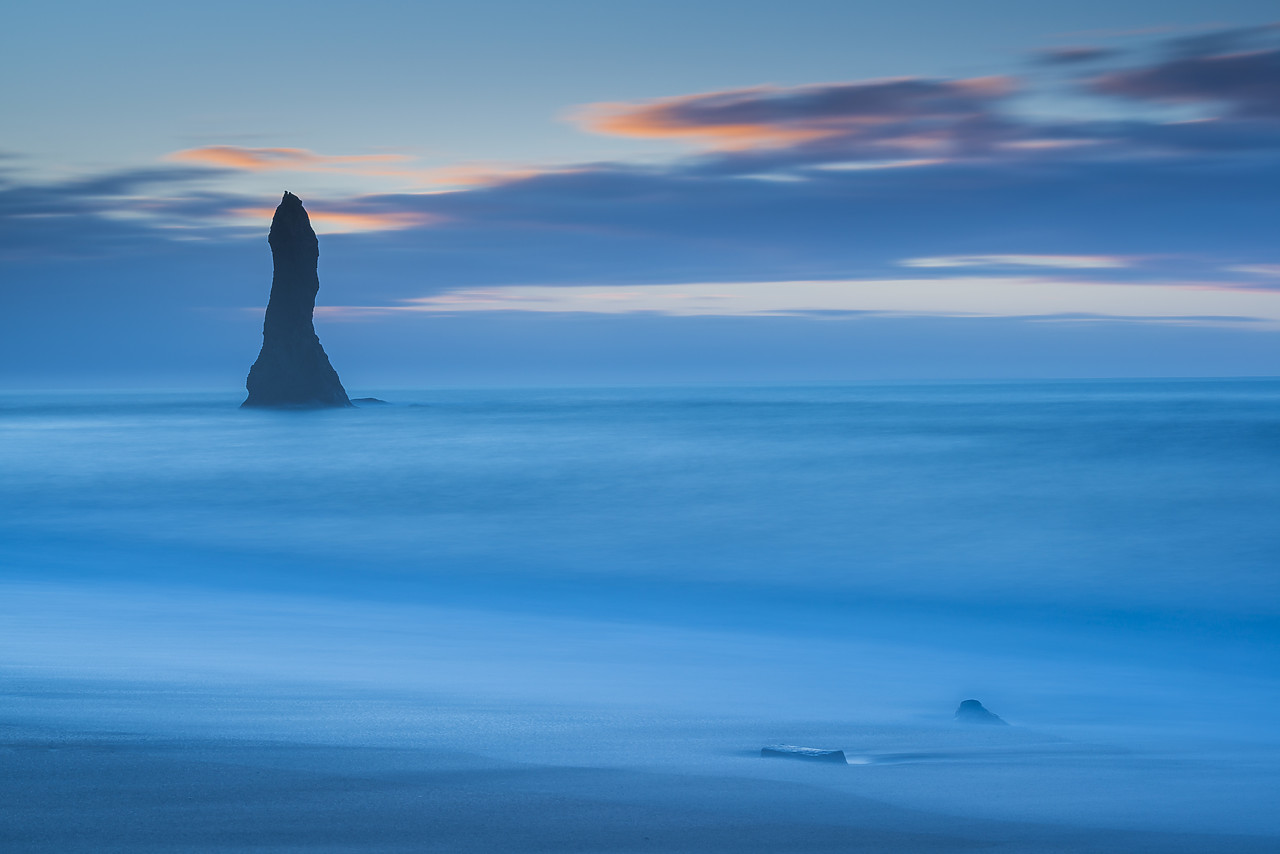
<point>661,581</point>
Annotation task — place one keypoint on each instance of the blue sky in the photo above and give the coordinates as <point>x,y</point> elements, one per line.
<point>591,192</point>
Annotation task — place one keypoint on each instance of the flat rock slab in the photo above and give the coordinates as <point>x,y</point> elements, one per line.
<point>812,754</point>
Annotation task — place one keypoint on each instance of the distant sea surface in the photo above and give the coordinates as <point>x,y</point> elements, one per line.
<point>1100,560</point>
<point>1139,496</point>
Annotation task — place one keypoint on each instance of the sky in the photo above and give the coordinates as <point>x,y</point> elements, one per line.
<point>571,192</point>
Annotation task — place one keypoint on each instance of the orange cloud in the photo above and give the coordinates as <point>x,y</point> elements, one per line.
<point>280,159</point>
<point>660,121</point>
<point>330,221</point>
<point>484,175</point>
<point>776,116</point>
<point>371,165</point>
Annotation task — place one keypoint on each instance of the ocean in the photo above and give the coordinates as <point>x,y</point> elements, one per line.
<point>643,587</point>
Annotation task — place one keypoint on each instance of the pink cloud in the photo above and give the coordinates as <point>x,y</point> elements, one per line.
<point>280,159</point>
<point>330,221</point>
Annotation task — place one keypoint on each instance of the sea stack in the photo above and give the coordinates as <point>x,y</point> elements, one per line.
<point>292,370</point>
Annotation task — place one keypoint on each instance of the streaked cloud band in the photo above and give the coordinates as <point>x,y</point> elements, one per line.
<point>1061,262</point>
<point>976,296</point>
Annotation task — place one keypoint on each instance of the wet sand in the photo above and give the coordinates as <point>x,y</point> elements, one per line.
<point>66,791</point>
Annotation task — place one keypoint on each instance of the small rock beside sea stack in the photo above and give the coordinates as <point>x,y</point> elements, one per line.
<point>292,370</point>
<point>973,712</point>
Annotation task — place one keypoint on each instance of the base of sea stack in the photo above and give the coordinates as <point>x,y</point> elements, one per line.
<point>297,378</point>
<point>288,375</point>
<point>296,405</point>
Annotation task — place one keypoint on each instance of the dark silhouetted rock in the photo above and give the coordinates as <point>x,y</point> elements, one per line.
<point>812,754</point>
<point>973,712</point>
<point>292,370</point>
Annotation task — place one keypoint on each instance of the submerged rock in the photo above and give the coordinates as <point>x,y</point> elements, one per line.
<point>973,712</point>
<point>292,369</point>
<point>369,401</point>
<point>813,754</point>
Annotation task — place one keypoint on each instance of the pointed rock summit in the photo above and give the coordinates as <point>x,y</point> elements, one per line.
<point>973,712</point>
<point>292,369</point>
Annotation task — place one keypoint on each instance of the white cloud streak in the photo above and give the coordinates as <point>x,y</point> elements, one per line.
<point>1060,262</point>
<point>978,296</point>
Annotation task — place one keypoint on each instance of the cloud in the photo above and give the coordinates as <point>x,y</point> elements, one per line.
<point>242,159</point>
<point>935,171</point>
<point>1235,69</point>
<point>92,192</point>
<point>142,211</point>
<point>329,220</point>
<point>1158,29</point>
<point>621,224</point>
<point>914,116</point>
<point>281,159</point>
<point>776,133</point>
<point>955,296</point>
<point>1172,320</point>
<point>1069,262</point>
<point>1074,55</point>
<point>1256,269</point>
<point>467,175</point>
<point>112,213</point>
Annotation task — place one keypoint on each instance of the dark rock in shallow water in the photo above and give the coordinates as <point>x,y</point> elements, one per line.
<point>813,754</point>
<point>368,401</point>
<point>973,712</point>
<point>292,370</point>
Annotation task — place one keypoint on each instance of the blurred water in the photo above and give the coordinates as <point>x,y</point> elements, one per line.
<point>1084,551</point>
<point>658,581</point>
